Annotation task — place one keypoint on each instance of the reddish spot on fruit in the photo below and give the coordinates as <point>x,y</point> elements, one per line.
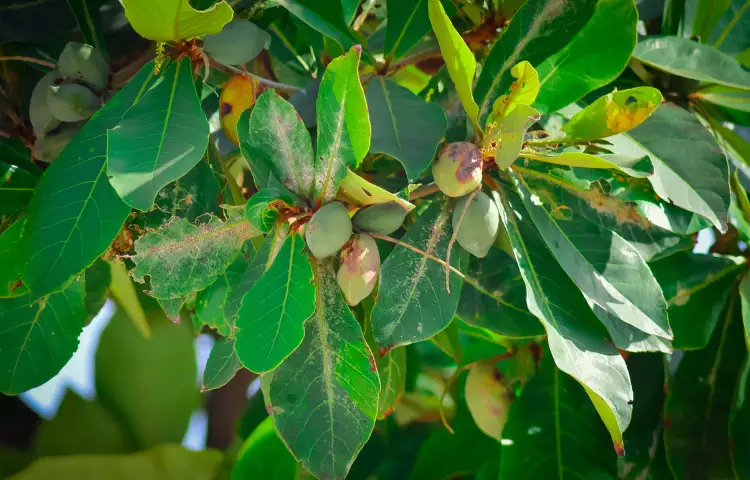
<point>226,108</point>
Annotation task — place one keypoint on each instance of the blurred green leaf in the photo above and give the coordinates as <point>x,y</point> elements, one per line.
<point>264,456</point>
<point>221,366</point>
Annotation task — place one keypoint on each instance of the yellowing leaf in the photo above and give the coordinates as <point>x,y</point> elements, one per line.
<point>505,136</point>
<point>174,20</point>
<point>124,293</point>
<point>488,398</point>
<point>358,191</point>
<point>523,90</point>
<point>237,96</point>
<point>614,113</point>
<point>639,167</point>
<point>458,58</point>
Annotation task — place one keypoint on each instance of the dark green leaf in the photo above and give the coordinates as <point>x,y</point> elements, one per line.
<point>553,418</point>
<point>38,337</point>
<point>707,14</point>
<point>413,303</point>
<point>264,456</point>
<point>75,213</point>
<point>391,370</point>
<point>577,341</point>
<point>271,319</point>
<point>538,30</point>
<point>221,366</point>
<point>159,140</point>
<point>404,126</point>
<point>86,13</point>
<point>262,208</point>
<point>16,188</point>
<point>696,288</point>
<point>12,253</point>
<point>699,400</point>
<point>324,397</point>
<point>14,152</point>
<point>560,75</point>
<point>98,278</point>
<point>739,422</point>
<point>324,16</point>
<point>731,30</point>
<point>689,59</point>
<point>407,24</point>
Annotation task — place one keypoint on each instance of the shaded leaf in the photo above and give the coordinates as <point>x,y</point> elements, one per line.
<point>263,455</point>
<point>13,254</point>
<point>725,96</point>
<point>324,397</point>
<point>324,16</point>
<point>488,398</point>
<point>739,421</point>
<point>408,22</point>
<point>39,337</point>
<point>391,369</point>
<point>75,213</point>
<point>98,278</point>
<point>223,363</point>
<point>86,13</point>
<point>14,152</point>
<point>174,20</point>
<point>16,188</point>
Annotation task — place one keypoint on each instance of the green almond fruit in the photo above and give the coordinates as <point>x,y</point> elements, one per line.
<point>382,218</point>
<point>359,269</point>
<point>458,169</point>
<point>480,224</point>
<point>84,63</point>
<point>48,147</point>
<point>328,230</point>
<point>39,113</point>
<point>71,102</point>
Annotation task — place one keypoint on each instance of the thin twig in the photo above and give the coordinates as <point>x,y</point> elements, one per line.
<point>363,16</point>
<point>448,386</point>
<point>229,70</point>
<point>415,249</point>
<point>469,199</point>
<point>19,58</point>
<point>423,191</point>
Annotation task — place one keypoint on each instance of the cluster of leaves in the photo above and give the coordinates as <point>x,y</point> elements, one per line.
<point>590,319</point>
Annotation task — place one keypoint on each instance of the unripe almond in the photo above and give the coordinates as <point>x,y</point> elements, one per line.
<point>328,230</point>
<point>458,169</point>
<point>359,269</point>
<point>382,218</point>
<point>479,226</point>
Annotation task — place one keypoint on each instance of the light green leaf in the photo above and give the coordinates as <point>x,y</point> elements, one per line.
<point>343,124</point>
<point>616,112</point>
<point>613,23</point>
<point>159,140</point>
<point>576,338</point>
<point>707,13</point>
<point>488,398</point>
<point>725,96</point>
<point>38,338</point>
<point>539,29</point>
<point>12,253</point>
<point>221,366</point>
<point>358,191</point>
<point>271,319</point>
<point>635,167</point>
<point>458,58</point>
<point>523,91</point>
<point>699,400</point>
<point>324,397</point>
<point>175,20</point>
<point>552,416</point>
<point>696,288</point>
<point>506,135</point>
<point>75,213</point>
<point>413,303</point>
<point>264,456</point>
<point>404,126</point>
<point>689,59</point>
<point>123,291</point>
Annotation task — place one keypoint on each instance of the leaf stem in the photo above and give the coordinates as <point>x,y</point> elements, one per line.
<point>423,191</point>
<point>19,58</point>
<point>415,249</point>
<point>363,16</point>
<point>229,70</point>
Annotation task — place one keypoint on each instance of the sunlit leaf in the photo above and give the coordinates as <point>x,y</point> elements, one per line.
<point>174,20</point>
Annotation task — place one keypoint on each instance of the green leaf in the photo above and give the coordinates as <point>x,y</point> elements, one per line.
<point>98,278</point>
<point>699,400</point>
<point>449,342</point>
<point>89,22</point>
<point>506,135</point>
<point>696,288</point>
<point>165,462</point>
<point>124,293</point>
<point>634,167</point>
<point>181,258</point>
<point>324,16</point>
<point>38,337</point>
<point>358,191</point>
<point>577,341</point>
<point>553,418</point>
<point>689,59</point>
<point>730,33</point>
<point>14,152</point>
<point>391,368</point>
<point>149,383</point>
<point>413,303</point>
<point>494,297</point>
<point>725,96</point>
<point>276,144</point>
<point>221,366</point>
<point>407,23</point>
<point>616,112</point>
<point>739,421</point>
<point>271,319</point>
<point>488,398</point>
<point>458,58</point>
<point>670,136</point>
<point>539,29</point>
<point>159,140</point>
<point>562,83</point>
<point>604,266</point>
<point>12,253</point>
<point>16,188</point>
<point>324,397</point>
<point>744,289</point>
<point>75,214</point>
<point>404,126</point>
<point>343,124</point>
<point>175,20</point>
<point>708,12</point>
<point>262,210</point>
<point>264,456</point>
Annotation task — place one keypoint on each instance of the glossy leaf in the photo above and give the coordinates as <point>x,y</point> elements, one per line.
<point>689,59</point>
<point>221,366</point>
<point>75,213</point>
<point>324,397</point>
<point>696,288</point>
<point>538,30</point>
<point>12,253</point>
<point>343,124</point>
<point>604,266</point>
<point>159,140</point>
<point>404,126</point>
<point>408,22</point>
<point>38,337</point>
<point>174,20</point>
<point>494,297</point>
<point>488,398</point>
<point>552,416</point>
<point>275,143</point>
<point>613,113</point>
<point>577,341</point>
<point>263,455</point>
<point>270,325</point>
<point>412,303</point>
<point>459,60</point>
<point>699,401</point>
